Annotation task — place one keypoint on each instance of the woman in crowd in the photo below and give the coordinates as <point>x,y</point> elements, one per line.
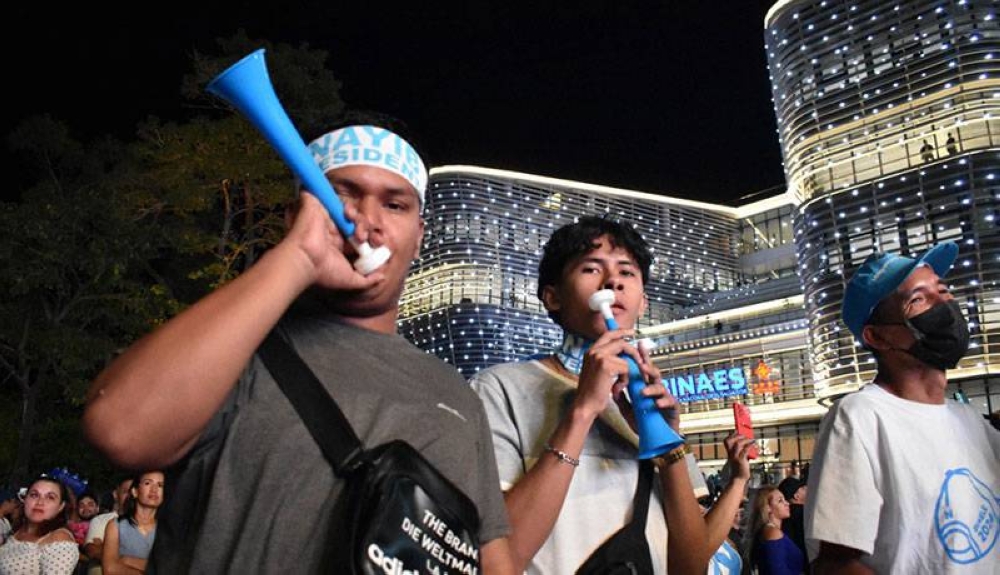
<point>41,545</point>
<point>771,551</point>
<point>128,541</point>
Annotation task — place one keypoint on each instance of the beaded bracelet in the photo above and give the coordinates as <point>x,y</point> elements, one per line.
<point>563,456</point>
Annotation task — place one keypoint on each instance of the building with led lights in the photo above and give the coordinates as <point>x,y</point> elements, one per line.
<point>725,304</point>
<point>889,121</point>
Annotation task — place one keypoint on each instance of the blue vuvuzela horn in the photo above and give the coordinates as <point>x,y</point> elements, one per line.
<point>247,87</point>
<point>656,437</point>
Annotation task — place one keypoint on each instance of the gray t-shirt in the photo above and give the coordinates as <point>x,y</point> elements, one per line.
<point>255,495</point>
<point>525,402</point>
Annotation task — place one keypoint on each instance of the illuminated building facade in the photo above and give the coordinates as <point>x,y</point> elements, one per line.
<point>725,304</point>
<point>889,121</point>
<point>471,296</point>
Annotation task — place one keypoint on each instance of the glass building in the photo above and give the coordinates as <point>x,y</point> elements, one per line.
<point>725,304</point>
<point>889,122</point>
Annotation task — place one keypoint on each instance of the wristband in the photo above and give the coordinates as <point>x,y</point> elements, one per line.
<point>562,456</point>
<point>676,454</point>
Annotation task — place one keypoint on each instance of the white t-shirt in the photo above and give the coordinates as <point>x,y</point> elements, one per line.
<point>97,525</point>
<point>913,486</point>
<point>525,402</point>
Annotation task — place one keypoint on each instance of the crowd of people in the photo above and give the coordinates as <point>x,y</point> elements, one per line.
<point>903,480</point>
<point>49,529</point>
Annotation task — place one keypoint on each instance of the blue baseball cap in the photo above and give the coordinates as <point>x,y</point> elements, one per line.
<point>881,274</point>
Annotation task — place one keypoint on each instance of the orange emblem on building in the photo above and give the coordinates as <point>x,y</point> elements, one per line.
<point>764,382</point>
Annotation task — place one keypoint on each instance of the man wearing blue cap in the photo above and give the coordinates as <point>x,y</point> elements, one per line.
<point>903,480</point>
<point>249,488</point>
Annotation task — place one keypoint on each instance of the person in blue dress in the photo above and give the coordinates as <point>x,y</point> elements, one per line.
<point>772,552</point>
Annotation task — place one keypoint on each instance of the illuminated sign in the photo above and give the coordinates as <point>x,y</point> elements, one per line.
<point>764,382</point>
<point>699,385</point>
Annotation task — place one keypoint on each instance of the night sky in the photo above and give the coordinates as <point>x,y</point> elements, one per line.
<point>667,96</point>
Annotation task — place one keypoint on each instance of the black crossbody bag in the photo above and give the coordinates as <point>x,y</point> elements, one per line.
<point>400,514</point>
<point>627,551</point>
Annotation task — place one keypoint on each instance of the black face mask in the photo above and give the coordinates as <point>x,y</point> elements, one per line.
<point>942,335</point>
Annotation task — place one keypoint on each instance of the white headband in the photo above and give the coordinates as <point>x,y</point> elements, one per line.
<point>370,146</point>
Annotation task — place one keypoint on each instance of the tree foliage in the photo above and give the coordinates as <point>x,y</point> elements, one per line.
<point>111,239</point>
<point>309,93</point>
<point>74,286</point>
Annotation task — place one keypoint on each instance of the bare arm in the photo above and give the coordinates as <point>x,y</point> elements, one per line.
<point>111,562</point>
<point>496,558</point>
<point>719,519</point>
<point>133,563</point>
<point>173,380</point>
<point>534,503</point>
<point>94,550</point>
<point>839,560</point>
<point>688,551</point>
